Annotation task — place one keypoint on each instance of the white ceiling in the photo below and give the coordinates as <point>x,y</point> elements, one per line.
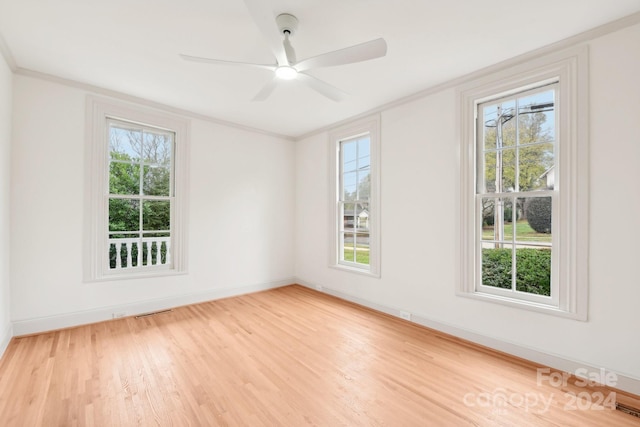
<point>132,46</point>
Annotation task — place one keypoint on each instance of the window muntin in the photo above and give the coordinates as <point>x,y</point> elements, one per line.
<point>354,201</point>
<point>141,195</point>
<point>516,195</point>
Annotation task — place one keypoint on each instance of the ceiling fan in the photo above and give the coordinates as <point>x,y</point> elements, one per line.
<point>277,33</point>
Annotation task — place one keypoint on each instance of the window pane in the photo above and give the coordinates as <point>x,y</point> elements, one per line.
<point>497,219</point>
<point>157,181</point>
<point>362,248</point>
<point>537,212</point>
<point>497,265</point>
<point>490,119</point>
<point>506,130</point>
<point>348,215</point>
<point>533,270</point>
<point>536,167</point>
<point>488,218</point>
<point>157,148</point>
<point>348,253</point>
<point>124,143</point>
<point>348,156</point>
<point>499,164</point>
<point>524,232</point>
<point>364,155</point>
<point>536,118</point>
<point>124,178</point>
<point>124,215</point>
<point>364,184</point>
<point>356,247</point>
<point>156,215</point>
<point>349,186</point>
<point>507,215</point>
<point>499,126</point>
<point>362,217</point>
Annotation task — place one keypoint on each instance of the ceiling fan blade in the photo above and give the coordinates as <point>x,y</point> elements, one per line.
<point>357,53</point>
<point>265,21</point>
<point>266,90</point>
<point>221,62</point>
<point>321,87</point>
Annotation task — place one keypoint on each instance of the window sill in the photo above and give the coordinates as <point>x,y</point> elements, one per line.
<point>356,270</point>
<point>522,304</point>
<point>146,274</point>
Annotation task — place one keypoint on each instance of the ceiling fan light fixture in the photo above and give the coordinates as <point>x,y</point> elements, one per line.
<point>286,73</point>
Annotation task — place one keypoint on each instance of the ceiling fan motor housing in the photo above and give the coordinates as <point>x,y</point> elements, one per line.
<point>287,23</point>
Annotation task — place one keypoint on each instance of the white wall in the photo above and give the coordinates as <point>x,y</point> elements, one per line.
<point>419,171</point>
<point>6,78</point>
<point>240,216</point>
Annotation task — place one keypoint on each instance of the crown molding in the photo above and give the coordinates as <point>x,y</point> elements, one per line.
<point>572,41</point>
<point>142,101</point>
<point>567,43</point>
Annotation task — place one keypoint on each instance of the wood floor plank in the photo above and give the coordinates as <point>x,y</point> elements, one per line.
<point>286,357</point>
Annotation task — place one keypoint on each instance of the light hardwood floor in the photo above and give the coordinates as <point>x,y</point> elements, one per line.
<point>286,357</point>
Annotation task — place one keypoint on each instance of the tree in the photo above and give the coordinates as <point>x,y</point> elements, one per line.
<point>534,148</point>
<point>533,160</point>
<point>364,187</point>
<point>135,153</point>
<point>538,210</point>
<point>140,165</point>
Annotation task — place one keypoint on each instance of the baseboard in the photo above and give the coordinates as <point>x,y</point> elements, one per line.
<point>624,383</point>
<point>68,320</point>
<point>5,338</point>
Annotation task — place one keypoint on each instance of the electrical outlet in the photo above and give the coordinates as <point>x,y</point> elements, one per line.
<point>118,315</point>
<point>405,315</point>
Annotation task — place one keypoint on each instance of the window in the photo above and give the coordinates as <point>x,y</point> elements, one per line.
<point>141,194</point>
<point>137,184</point>
<point>523,228</point>
<point>515,194</point>
<point>354,195</point>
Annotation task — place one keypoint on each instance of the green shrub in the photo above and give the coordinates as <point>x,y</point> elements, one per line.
<point>538,211</point>
<point>533,269</point>
<point>496,268</point>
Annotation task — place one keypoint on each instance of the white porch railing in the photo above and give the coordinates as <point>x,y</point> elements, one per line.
<point>124,249</point>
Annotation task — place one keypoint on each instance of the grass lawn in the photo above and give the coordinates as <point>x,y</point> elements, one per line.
<point>362,254</point>
<point>524,233</point>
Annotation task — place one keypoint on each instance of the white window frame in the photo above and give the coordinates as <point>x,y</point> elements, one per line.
<point>367,126</point>
<point>99,112</point>
<point>571,224</point>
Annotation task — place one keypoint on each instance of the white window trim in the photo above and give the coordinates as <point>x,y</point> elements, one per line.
<point>569,68</point>
<point>98,110</point>
<point>369,125</point>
